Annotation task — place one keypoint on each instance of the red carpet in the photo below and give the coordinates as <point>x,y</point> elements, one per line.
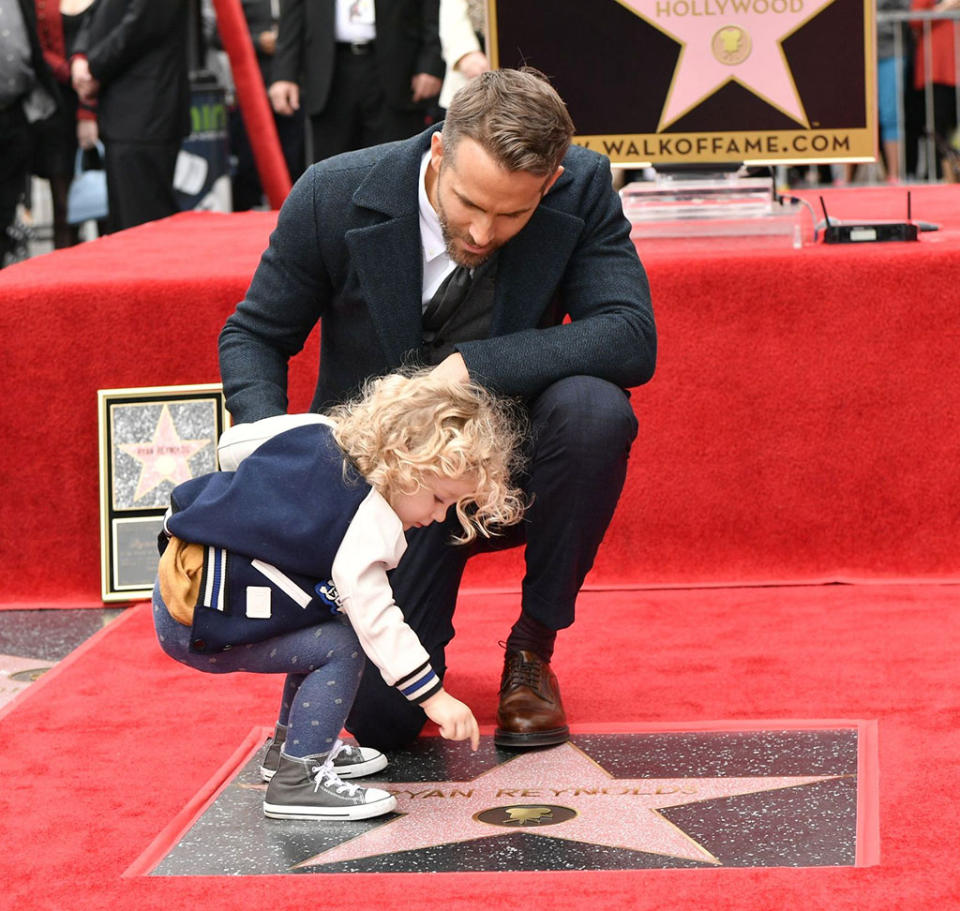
<point>802,425</point>
<point>108,748</point>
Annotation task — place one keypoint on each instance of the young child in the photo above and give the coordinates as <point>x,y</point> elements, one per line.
<point>279,566</point>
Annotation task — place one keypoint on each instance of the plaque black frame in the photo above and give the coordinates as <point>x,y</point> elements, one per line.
<point>128,525</point>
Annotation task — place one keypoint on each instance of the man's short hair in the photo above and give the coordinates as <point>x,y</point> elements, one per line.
<point>515,116</point>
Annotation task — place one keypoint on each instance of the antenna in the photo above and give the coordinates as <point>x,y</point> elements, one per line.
<point>847,231</point>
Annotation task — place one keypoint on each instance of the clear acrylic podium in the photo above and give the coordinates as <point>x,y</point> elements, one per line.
<point>727,206</point>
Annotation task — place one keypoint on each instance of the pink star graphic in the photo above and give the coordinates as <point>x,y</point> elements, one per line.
<point>749,29</point>
<point>165,457</point>
<point>537,789</point>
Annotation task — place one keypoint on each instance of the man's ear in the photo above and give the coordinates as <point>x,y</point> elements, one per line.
<point>551,180</point>
<point>436,149</point>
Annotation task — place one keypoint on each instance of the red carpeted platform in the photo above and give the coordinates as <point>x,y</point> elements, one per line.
<point>107,750</point>
<point>802,426</point>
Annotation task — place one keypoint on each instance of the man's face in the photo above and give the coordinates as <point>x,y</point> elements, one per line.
<point>480,205</point>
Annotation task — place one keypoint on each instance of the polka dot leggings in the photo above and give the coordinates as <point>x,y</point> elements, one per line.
<point>322,664</point>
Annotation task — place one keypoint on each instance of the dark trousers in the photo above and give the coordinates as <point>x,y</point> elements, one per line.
<point>14,165</point>
<point>356,114</point>
<point>581,429</point>
<point>140,182</point>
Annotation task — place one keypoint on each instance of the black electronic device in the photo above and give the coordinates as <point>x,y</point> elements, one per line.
<point>846,231</point>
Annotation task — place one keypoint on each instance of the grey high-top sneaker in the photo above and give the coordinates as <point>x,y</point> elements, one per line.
<point>271,761</point>
<point>309,788</point>
<point>351,762</point>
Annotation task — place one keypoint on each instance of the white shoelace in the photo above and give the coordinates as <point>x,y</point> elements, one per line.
<point>325,775</point>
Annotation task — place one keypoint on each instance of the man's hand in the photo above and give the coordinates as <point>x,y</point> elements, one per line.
<point>424,86</point>
<point>83,82</point>
<point>268,41</point>
<point>452,368</point>
<point>285,97</point>
<point>455,719</point>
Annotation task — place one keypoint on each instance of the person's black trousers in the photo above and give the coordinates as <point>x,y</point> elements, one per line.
<point>14,167</point>
<point>140,182</point>
<point>581,430</point>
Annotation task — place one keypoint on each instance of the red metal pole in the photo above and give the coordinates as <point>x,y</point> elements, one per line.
<point>254,104</point>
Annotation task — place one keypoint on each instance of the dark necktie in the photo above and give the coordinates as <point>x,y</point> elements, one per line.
<point>452,292</point>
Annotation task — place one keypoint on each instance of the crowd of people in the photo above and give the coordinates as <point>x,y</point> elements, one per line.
<point>85,75</point>
<point>112,77</point>
<point>110,80</point>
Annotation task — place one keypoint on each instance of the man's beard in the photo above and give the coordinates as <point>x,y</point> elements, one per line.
<point>460,256</point>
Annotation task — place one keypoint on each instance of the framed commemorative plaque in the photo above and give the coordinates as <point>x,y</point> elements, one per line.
<point>151,440</point>
<point>701,82</point>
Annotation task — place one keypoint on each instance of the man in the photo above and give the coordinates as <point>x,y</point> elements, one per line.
<point>370,243</point>
<point>368,69</point>
<point>28,94</point>
<point>131,58</point>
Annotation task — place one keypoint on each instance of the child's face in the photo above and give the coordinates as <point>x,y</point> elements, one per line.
<point>430,502</point>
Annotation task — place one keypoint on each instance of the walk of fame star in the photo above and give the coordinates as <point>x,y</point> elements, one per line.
<point>729,41</point>
<point>163,458</point>
<point>558,793</point>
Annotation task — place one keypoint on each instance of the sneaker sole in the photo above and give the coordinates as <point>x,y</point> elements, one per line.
<point>360,811</point>
<point>357,770</point>
<point>517,741</point>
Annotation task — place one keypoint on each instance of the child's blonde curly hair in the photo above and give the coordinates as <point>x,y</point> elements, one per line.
<point>406,428</point>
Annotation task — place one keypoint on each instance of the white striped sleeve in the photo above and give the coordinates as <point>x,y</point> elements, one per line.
<point>372,545</point>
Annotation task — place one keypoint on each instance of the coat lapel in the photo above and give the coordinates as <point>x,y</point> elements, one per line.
<point>389,265</point>
<point>387,254</point>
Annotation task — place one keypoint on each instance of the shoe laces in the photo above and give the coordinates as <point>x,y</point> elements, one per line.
<point>324,774</point>
<point>521,673</point>
<point>349,753</point>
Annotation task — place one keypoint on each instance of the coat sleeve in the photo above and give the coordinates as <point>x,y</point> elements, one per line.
<point>144,24</point>
<point>604,290</point>
<point>430,58</point>
<point>372,545</point>
<point>285,300</point>
<point>287,63</point>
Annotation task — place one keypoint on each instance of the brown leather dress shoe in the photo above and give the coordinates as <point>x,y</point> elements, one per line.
<point>530,712</point>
